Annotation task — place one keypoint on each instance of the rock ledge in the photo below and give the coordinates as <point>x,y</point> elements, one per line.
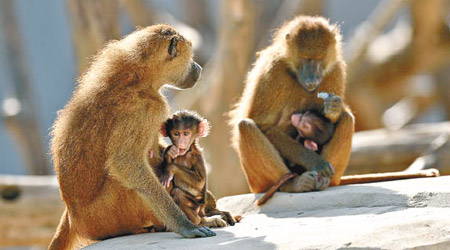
<point>403,214</point>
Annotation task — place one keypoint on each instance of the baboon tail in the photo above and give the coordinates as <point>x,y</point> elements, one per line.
<point>64,237</point>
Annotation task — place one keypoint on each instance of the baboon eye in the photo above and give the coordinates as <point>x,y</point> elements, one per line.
<point>186,133</point>
<point>173,47</point>
<point>177,134</point>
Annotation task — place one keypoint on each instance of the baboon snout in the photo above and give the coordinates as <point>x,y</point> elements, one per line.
<point>309,75</point>
<point>193,75</point>
<point>196,70</point>
<point>312,85</point>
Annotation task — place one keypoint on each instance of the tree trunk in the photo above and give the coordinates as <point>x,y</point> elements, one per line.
<point>19,112</point>
<point>93,23</point>
<point>376,82</point>
<point>221,83</point>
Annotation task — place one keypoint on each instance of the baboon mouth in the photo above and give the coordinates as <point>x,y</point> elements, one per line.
<point>196,71</point>
<point>194,74</point>
<point>312,86</point>
<point>310,75</point>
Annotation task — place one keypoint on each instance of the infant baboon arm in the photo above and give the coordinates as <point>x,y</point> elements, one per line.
<point>297,153</point>
<point>337,151</point>
<point>127,151</point>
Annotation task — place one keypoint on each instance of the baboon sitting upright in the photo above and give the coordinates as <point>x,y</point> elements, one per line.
<point>102,137</point>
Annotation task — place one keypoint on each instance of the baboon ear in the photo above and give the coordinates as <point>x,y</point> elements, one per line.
<point>162,130</point>
<point>173,47</point>
<point>203,128</point>
<point>287,36</point>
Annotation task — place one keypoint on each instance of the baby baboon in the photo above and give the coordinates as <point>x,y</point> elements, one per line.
<point>303,60</point>
<point>102,137</point>
<point>183,171</point>
<point>313,131</point>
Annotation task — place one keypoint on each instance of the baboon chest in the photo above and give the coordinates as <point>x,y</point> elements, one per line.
<point>190,175</point>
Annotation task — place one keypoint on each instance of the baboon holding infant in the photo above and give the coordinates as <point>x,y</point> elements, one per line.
<point>102,137</point>
<point>303,60</point>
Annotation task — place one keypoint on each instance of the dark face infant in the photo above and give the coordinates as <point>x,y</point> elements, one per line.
<point>314,129</point>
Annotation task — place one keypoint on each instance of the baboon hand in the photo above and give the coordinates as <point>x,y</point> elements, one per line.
<point>332,107</point>
<point>196,232</point>
<point>174,151</point>
<point>165,179</point>
<point>226,216</point>
<point>213,221</point>
<point>324,169</point>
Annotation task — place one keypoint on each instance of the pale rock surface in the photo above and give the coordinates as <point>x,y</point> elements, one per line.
<point>403,214</point>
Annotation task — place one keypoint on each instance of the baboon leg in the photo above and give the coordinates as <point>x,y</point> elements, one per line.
<point>261,162</point>
<point>214,221</point>
<point>211,209</point>
<point>64,238</point>
<point>337,151</point>
<point>308,181</point>
<point>224,215</point>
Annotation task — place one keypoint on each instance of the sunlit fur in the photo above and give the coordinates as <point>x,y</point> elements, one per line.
<point>272,94</point>
<point>101,139</point>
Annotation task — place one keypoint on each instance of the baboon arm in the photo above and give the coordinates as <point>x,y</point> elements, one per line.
<point>337,151</point>
<point>291,149</point>
<point>136,175</point>
<point>126,154</point>
<point>199,168</point>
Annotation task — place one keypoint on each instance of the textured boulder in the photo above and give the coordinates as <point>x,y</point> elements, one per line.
<point>387,215</point>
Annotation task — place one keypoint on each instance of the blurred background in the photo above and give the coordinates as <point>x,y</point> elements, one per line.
<point>397,51</point>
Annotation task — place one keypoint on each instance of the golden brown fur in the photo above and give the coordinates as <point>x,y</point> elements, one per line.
<point>102,136</point>
<point>184,175</point>
<point>188,188</point>
<point>274,91</point>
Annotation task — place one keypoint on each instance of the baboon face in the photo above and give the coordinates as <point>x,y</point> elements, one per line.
<point>313,47</point>
<point>314,126</point>
<point>183,138</point>
<point>310,75</point>
<point>168,55</point>
<point>183,127</point>
<point>183,71</point>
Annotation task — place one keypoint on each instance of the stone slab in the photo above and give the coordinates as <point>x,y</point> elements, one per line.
<point>402,214</point>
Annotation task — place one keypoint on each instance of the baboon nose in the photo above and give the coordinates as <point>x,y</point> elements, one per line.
<point>196,70</point>
<point>312,85</point>
<point>194,73</point>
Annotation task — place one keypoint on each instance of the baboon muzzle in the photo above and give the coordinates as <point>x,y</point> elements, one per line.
<point>194,74</point>
<point>310,75</point>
